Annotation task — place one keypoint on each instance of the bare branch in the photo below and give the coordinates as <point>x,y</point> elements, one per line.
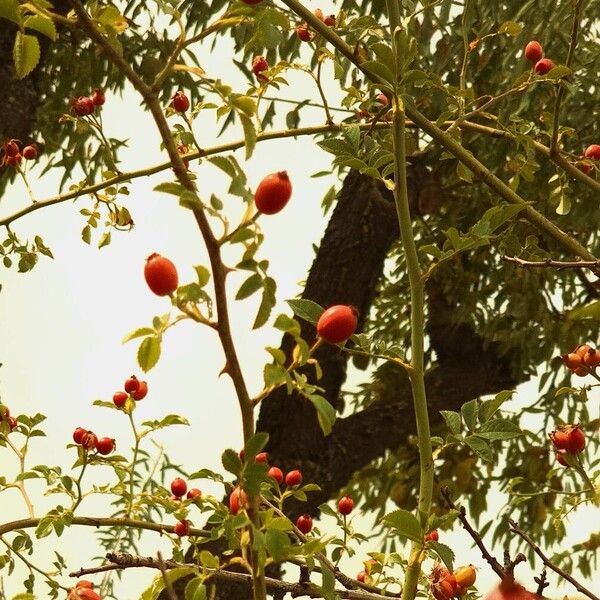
<point>548,563</point>
<point>553,264</point>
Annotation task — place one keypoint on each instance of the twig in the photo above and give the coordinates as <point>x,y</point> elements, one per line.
<point>548,563</point>
<point>496,566</point>
<point>542,582</point>
<point>561,90</point>
<point>102,522</point>
<point>120,561</point>
<point>163,570</point>
<point>554,264</point>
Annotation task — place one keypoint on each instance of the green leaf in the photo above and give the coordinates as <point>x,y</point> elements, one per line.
<point>104,239</point>
<point>250,286</point>
<point>489,407</point>
<point>244,103</point>
<point>587,311</point>
<point>469,411</point>
<point>405,524</point>
<point>170,187</point>
<point>26,54</point>
<point>10,9</point>
<point>167,421</point>
<point>139,332</point>
<point>203,275</point>
<point>148,353</point>
<point>306,309</point>
<point>278,544</point>
<point>267,303</point>
<point>445,553</point>
<point>42,24</point>
<point>195,590</point>
<point>379,69</point>
<point>208,559</point>
<point>256,443</point>
<point>249,134</point>
<point>325,412</point>
<point>480,447</point>
<point>511,28</point>
<point>452,420</point>
<point>499,429</point>
<point>231,461</point>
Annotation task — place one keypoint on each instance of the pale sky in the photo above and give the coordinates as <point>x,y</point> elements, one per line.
<point>62,324</point>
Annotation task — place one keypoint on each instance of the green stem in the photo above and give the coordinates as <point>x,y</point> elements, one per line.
<point>417,320</point>
<point>78,482</point>
<point>21,484</point>
<point>136,448</point>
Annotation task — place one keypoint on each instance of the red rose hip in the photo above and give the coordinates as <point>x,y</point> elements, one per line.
<point>273,193</point>
<point>78,435</point>
<point>593,152</point>
<point>543,66</point>
<point>161,275</point>
<point>277,474</point>
<point>119,399</point>
<point>576,440</point>
<point>180,102</point>
<point>237,499</point>
<point>293,478</point>
<point>193,494</point>
<point>98,97</point>
<point>259,64</point>
<point>105,445</point>
<point>178,487</point>
<point>304,523</point>
<point>345,505</point>
<point>141,391</point>
<point>303,33</point>
<point>337,323</point>
<point>30,152</point>
<point>182,528</point>
<point>533,51</point>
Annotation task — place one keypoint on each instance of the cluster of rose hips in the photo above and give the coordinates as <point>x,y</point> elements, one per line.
<point>446,585</point>
<point>304,522</point>
<point>567,440</point>
<point>134,389</point>
<point>179,489</point>
<point>534,53</point>
<point>87,439</point>
<point>83,591</point>
<point>86,105</point>
<point>180,102</point>
<point>160,275</point>
<point>583,359</point>
<point>12,153</point>
<point>303,32</point>
<point>5,416</point>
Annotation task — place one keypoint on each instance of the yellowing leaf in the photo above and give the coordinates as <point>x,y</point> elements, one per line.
<point>26,54</point>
